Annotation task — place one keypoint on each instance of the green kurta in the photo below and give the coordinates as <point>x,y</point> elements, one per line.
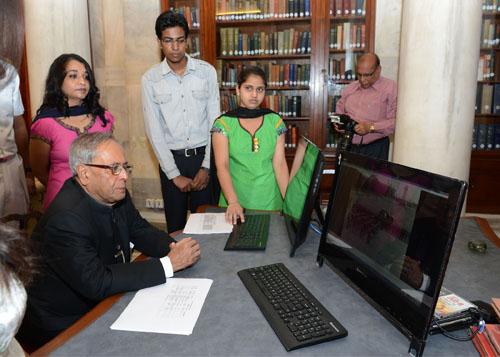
<point>251,162</point>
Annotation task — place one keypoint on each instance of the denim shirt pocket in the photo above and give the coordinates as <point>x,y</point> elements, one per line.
<point>200,94</point>
<point>163,98</point>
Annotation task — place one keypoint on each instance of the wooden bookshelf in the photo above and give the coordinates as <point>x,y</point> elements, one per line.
<point>483,197</point>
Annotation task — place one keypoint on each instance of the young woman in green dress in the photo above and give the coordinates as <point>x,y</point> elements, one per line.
<point>249,151</point>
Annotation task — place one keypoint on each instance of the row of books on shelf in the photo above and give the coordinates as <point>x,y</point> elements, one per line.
<point>491,5</point>
<point>193,46</point>
<point>291,136</point>
<point>348,36</point>
<point>234,10</point>
<point>347,7</point>
<point>192,15</point>
<point>286,42</point>
<point>287,75</point>
<point>343,69</point>
<point>332,139</point>
<point>487,67</point>
<point>487,99</point>
<point>487,341</point>
<point>490,34</point>
<point>285,106</point>
<point>332,104</point>
<point>486,137</point>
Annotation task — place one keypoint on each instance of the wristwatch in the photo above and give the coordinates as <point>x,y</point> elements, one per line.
<point>372,128</point>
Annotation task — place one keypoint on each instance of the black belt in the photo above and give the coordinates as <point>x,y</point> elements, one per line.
<point>373,142</point>
<point>189,152</point>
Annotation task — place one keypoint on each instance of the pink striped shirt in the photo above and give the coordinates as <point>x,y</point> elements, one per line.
<point>375,104</point>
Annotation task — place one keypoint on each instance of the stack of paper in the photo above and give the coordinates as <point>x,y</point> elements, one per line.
<point>207,223</point>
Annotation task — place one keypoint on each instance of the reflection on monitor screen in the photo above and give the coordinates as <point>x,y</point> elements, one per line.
<point>302,191</point>
<point>389,231</point>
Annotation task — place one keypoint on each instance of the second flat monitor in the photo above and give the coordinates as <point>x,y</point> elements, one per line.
<point>302,191</point>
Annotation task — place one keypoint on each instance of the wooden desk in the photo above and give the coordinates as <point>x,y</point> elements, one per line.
<point>230,322</point>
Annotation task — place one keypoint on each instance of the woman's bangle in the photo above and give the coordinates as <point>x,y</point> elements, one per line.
<point>231,202</point>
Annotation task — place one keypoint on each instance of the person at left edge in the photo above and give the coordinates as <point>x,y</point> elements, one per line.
<point>85,237</point>
<point>180,100</point>
<point>70,108</point>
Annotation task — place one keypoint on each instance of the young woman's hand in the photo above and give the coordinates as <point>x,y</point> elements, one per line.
<point>233,212</point>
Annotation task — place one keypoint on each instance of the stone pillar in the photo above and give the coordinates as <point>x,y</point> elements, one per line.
<point>124,47</point>
<point>437,85</point>
<point>53,27</point>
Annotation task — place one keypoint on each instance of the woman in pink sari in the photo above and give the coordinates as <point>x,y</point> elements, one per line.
<point>70,108</point>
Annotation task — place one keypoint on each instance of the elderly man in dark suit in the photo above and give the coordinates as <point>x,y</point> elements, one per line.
<point>85,237</point>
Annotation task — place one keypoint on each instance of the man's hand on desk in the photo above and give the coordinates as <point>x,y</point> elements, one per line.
<point>184,253</point>
<point>183,183</point>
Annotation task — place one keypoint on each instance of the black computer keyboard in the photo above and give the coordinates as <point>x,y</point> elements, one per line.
<point>295,315</point>
<point>251,235</point>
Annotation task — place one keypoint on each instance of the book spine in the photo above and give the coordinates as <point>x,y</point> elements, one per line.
<point>279,42</point>
<point>497,137</point>
<point>490,137</point>
<point>496,99</point>
<point>236,37</point>
<point>487,99</point>
<point>339,11</point>
<point>480,68</point>
<point>479,94</point>
<point>347,7</point>
<point>295,135</point>
<point>475,133</point>
<point>481,139</point>
<point>309,41</point>
<point>359,8</point>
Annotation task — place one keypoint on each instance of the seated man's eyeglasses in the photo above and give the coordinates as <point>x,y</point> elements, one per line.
<point>367,74</point>
<point>116,169</point>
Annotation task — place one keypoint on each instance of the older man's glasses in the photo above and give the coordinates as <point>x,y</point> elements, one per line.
<point>116,169</point>
<point>367,75</point>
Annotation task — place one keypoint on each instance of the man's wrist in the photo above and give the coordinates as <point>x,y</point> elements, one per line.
<point>167,266</point>
<point>206,170</point>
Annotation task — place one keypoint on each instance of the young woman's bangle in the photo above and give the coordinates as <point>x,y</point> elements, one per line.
<point>231,202</point>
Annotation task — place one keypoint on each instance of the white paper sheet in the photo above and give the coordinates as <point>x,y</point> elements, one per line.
<point>207,223</point>
<point>172,307</point>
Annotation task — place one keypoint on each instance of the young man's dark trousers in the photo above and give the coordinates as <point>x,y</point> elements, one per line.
<point>176,203</point>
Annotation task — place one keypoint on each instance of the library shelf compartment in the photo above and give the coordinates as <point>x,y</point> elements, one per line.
<point>483,193</point>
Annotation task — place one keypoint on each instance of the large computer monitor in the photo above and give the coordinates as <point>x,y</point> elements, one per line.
<point>389,231</point>
<point>302,191</point>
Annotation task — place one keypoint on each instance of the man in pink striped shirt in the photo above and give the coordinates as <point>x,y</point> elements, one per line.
<point>371,102</point>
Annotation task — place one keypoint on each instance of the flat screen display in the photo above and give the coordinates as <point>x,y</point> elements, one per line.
<point>302,191</point>
<point>389,230</point>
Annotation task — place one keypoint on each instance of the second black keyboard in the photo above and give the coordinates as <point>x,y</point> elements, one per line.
<point>294,314</point>
<point>251,235</point>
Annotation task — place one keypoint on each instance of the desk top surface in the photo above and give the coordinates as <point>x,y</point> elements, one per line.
<point>230,322</point>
